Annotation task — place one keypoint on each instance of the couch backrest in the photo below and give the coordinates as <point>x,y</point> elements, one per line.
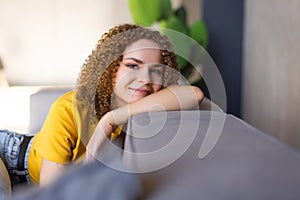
<point>40,103</point>
<point>245,163</point>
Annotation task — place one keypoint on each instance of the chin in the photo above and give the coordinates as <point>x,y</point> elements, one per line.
<point>135,99</point>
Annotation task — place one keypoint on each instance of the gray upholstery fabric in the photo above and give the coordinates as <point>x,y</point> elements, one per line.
<point>245,163</point>
<point>93,181</point>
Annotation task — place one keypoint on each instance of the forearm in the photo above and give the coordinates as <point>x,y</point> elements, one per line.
<point>171,98</point>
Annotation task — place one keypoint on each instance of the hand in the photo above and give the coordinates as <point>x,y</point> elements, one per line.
<point>102,131</point>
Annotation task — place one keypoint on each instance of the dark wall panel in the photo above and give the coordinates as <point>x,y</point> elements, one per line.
<point>224,20</point>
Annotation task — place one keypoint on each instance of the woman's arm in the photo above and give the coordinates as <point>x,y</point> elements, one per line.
<point>54,141</point>
<point>172,98</point>
<point>49,171</point>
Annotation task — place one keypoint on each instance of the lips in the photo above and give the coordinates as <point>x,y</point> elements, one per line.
<point>141,91</point>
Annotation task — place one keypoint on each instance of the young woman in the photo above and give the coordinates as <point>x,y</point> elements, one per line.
<point>131,70</point>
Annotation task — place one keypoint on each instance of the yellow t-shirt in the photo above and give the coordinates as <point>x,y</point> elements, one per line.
<point>58,140</point>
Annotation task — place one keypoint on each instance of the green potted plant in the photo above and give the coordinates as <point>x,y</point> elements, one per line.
<point>160,12</point>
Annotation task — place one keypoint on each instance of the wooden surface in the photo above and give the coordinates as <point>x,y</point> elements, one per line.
<point>271,87</point>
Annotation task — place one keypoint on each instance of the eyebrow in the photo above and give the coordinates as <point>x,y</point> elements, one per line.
<point>134,59</point>
<point>158,65</point>
<point>142,62</point>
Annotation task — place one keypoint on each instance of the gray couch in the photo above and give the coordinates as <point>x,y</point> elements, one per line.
<point>187,155</point>
<point>244,163</point>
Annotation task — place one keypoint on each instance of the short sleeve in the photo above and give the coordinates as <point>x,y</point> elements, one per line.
<point>58,136</point>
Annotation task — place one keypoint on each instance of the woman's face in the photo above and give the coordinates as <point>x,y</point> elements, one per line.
<point>140,72</point>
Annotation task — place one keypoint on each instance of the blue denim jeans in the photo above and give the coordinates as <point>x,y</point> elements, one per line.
<point>10,146</point>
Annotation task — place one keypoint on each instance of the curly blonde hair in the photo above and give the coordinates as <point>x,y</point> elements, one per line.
<point>96,81</point>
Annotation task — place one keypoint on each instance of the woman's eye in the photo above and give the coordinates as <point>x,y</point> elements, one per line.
<point>156,71</point>
<point>132,66</point>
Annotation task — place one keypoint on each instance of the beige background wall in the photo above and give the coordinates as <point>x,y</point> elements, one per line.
<point>271,87</point>
<point>46,42</point>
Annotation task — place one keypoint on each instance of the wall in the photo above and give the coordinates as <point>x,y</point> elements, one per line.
<point>224,21</point>
<point>46,42</point>
<point>271,86</point>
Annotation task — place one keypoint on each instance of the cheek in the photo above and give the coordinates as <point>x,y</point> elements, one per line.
<point>120,75</point>
<point>123,77</point>
<point>156,87</point>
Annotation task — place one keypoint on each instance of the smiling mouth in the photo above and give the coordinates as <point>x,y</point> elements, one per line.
<point>141,91</point>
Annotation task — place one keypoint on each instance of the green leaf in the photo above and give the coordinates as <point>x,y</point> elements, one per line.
<point>182,46</point>
<point>174,23</point>
<point>199,33</point>
<point>181,62</point>
<point>165,9</point>
<point>181,14</point>
<point>144,12</point>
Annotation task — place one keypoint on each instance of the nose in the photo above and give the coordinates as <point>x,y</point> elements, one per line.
<point>144,76</point>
